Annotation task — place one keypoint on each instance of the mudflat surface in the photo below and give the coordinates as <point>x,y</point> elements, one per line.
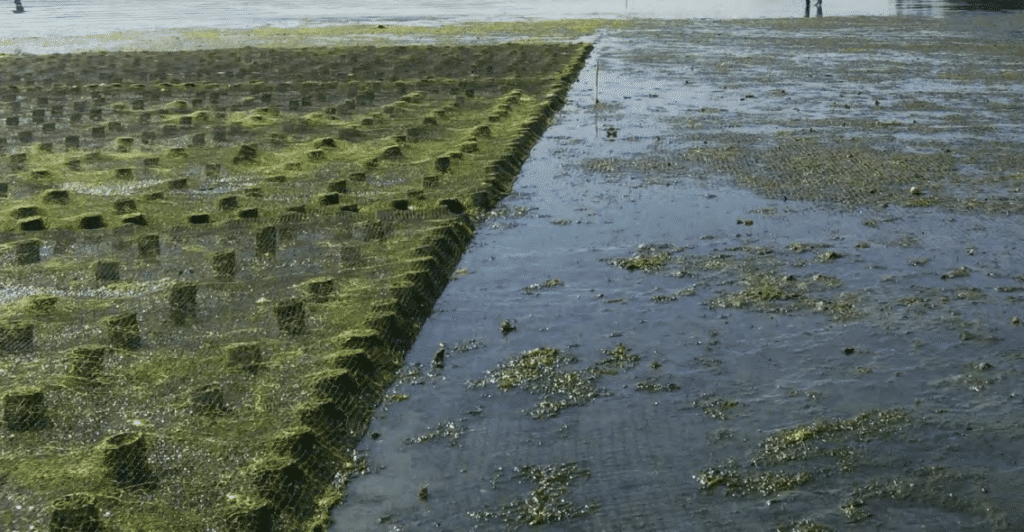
<point>764,275</point>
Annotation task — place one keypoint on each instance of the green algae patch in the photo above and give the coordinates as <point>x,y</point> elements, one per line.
<point>734,482</point>
<point>775,292</point>
<point>654,387</point>
<point>804,525</point>
<point>543,371</point>
<point>857,174</point>
<point>818,439</point>
<point>944,489</point>
<point>536,287</point>
<point>527,370</point>
<point>853,456</point>
<point>448,430</point>
<point>794,457</point>
<point>863,142</point>
<point>224,269</point>
<point>763,290</point>
<point>546,503</point>
<point>648,260</point>
<point>761,275</point>
<point>715,407</point>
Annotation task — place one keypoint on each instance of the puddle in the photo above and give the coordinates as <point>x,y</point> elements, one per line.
<point>849,359</point>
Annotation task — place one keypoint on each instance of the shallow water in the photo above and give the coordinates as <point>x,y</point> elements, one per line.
<point>59,19</point>
<point>934,350</point>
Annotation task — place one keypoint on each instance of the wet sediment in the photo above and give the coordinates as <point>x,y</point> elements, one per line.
<point>806,234</point>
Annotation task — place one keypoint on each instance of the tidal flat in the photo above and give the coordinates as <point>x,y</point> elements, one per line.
<point>802,232</point>
<point>746,274</point>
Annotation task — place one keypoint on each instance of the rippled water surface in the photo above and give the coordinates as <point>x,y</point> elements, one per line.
<point>62,18</point>
<point>845,362</point>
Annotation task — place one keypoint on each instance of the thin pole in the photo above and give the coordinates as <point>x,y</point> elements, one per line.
<point>597,73</point>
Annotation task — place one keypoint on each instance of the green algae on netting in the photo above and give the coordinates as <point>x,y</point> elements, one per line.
<point>541,371</point>
<point>280,126</point>
<point>334,35</point>
<point>546,503</point>
<point>231,269</point>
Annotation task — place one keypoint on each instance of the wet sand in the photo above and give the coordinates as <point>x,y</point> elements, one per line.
<point>805,231</point>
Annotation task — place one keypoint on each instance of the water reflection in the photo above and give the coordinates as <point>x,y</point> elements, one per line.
<point>938,8</point>
<point>783,8</point>
<point>66,18</point>
<point>984,5</point>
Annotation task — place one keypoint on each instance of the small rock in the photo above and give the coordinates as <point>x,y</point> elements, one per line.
<point>439,357</point>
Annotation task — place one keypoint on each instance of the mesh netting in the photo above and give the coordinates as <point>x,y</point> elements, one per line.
<point>214,261</point>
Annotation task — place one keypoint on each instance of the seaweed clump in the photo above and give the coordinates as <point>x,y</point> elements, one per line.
<point>540,371</point>
<point>792,457</point>
<point>546,503</point>
<point>446,429</point>
<point>645,260</point>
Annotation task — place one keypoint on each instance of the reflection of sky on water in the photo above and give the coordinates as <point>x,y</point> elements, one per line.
<point>59,18</point>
